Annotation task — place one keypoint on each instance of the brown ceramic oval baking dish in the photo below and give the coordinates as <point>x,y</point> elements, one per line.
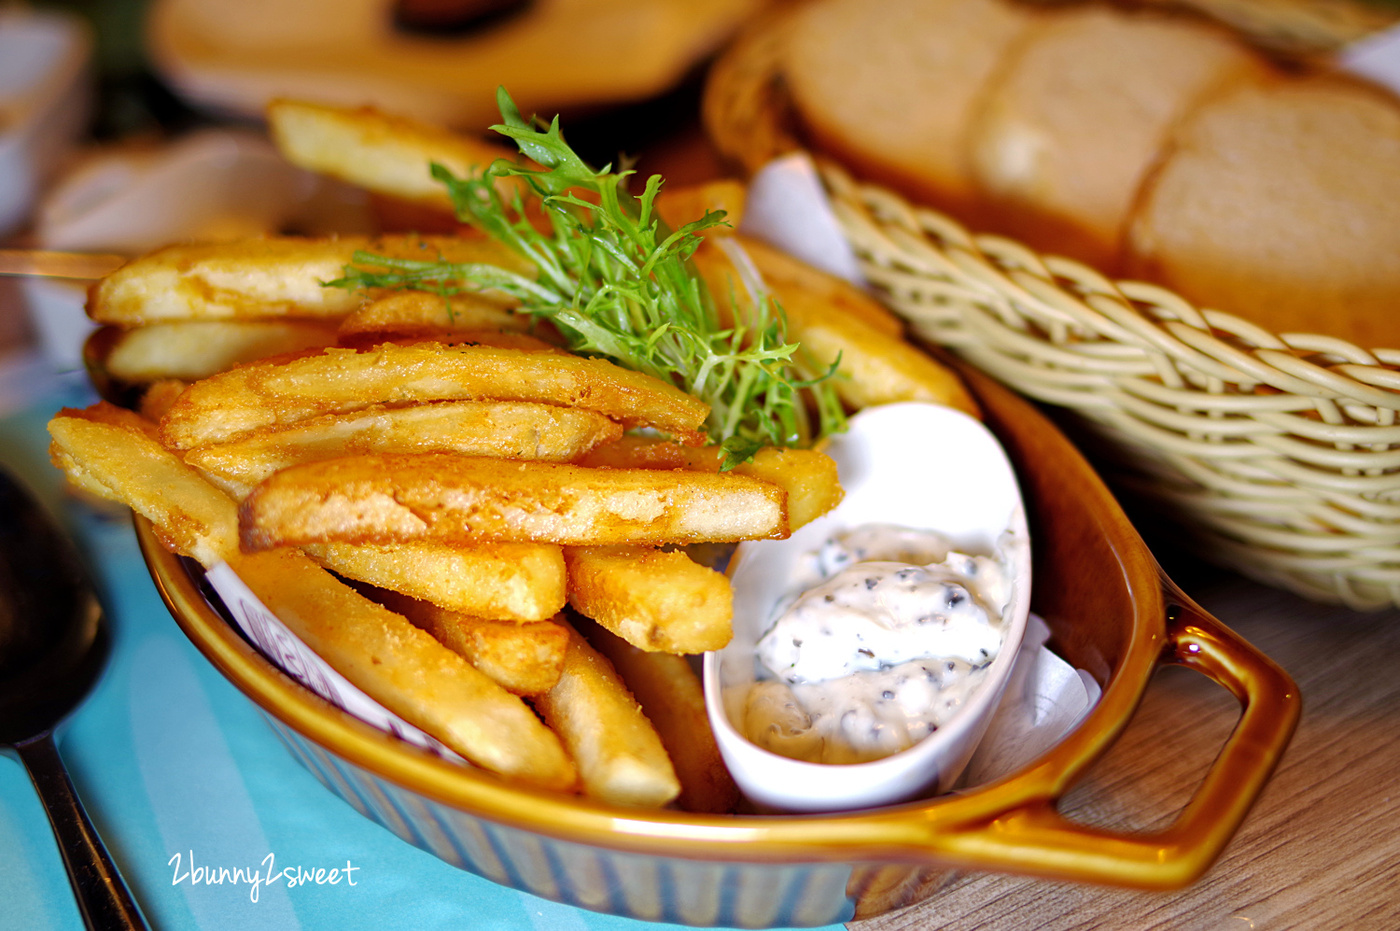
<point>1111,611</point>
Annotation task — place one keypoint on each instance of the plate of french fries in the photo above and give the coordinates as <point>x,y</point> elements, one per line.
<point>489,480</point>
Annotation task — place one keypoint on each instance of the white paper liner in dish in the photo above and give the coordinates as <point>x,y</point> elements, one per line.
<point>285,650</point>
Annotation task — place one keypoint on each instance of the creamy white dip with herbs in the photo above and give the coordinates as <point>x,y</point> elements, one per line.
<point>886,634</point>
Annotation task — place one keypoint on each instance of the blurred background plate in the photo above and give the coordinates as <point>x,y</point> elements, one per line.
<point>438,61</point>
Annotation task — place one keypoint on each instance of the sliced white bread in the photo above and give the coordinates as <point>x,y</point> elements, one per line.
<point>1279,201</point>
<point>1069,128</point>
<point>889,88</point>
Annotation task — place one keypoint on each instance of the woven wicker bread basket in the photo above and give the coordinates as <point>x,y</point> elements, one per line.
<point>1276,455</point>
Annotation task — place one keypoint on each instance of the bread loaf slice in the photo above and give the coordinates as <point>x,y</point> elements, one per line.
<point>1069,128</point>
<point>1279,201</point>
<point>889,88</point>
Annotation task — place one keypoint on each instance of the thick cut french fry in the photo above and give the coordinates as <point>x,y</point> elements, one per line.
<point>447,498</point>
<point>654,599</point>
<point>406,670</point>
<point>509,581</point>
<point>158,397</point>
<point>379,152</point>
<point>681,205</point>
<point>392,661</point>
<point>193,349</point>
<point>524,658</point>
<point>672,698</point>
<point>619,756</point>
<point>831,320</point>
<point>264,278</point>
<point>499,429</point>
<point>809,477</point>
<point>791,279</point>
<point>876,368</point>
<point>111,451</point>
<point>423,314</point>
<point>262,394</point>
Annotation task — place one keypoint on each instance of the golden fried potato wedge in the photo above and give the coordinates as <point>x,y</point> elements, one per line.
<point>376,151</point>
<point>194,349</point>
<point>406,669</point>
<point>876,368</point>
<point>831,319</point>
<point>654,599</point>
<point>400,666</point>
<point>619,755</point>
<point>499,429</point>
<point>681,205</point>
<point>791,279</point>
<point>669,691</point>
<point>111,451</point>
<point>420,314</point>
<point>808,476</point>
<point>525,658</point>
<point>447,498</point>
<point>338,380</point>
<point>509,581</point>
<point>267,277</point>
<point>157,398</point>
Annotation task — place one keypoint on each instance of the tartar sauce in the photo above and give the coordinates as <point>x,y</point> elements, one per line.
<point>885,635</point>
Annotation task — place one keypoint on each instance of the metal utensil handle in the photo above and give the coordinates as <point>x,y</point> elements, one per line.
<point>1035,838</point>
<point>102,895</point>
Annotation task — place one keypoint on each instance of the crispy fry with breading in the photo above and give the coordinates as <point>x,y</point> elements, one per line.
<point>111,451</point>
<point>447,498</point>
<point>513,581</point>
<point>267,277</point>
<point>876,368</point>
<point>400,666</point>
<point>158,397</point>
<point>499,429</point>
<point>832,319</point>
<point>525,658</point>
<point>654,599</point>
<point>792,279</point>
<point>416,314</point>
<point>195,349</point>
<point>681,205</point>
<point>376,151</point>
<point>808,476</point>
<point>672,698</point>
<point>406,670</point>
<point>619,755</point>
<point>262,394</point>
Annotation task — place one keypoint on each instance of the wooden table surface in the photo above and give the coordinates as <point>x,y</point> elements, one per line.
<point>1321,848</point>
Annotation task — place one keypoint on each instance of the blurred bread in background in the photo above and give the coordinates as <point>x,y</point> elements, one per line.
<point>892,88</point>
<point>1144,145</point>
<point>1280,201</point>
<point>1077,116</point>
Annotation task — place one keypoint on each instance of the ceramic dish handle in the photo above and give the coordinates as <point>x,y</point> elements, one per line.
<point>1031,836</point>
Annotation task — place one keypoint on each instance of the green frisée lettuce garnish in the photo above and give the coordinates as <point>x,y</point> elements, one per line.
<point>615,282</point>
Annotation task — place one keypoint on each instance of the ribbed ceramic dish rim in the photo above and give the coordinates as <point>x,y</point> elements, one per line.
<point>1008,826</point>
<point>1284,449</point>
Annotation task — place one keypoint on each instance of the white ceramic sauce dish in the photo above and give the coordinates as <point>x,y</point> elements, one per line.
<point>914,465</point>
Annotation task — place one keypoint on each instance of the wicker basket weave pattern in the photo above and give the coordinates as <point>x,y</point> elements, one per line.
<point>1278,454</point>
